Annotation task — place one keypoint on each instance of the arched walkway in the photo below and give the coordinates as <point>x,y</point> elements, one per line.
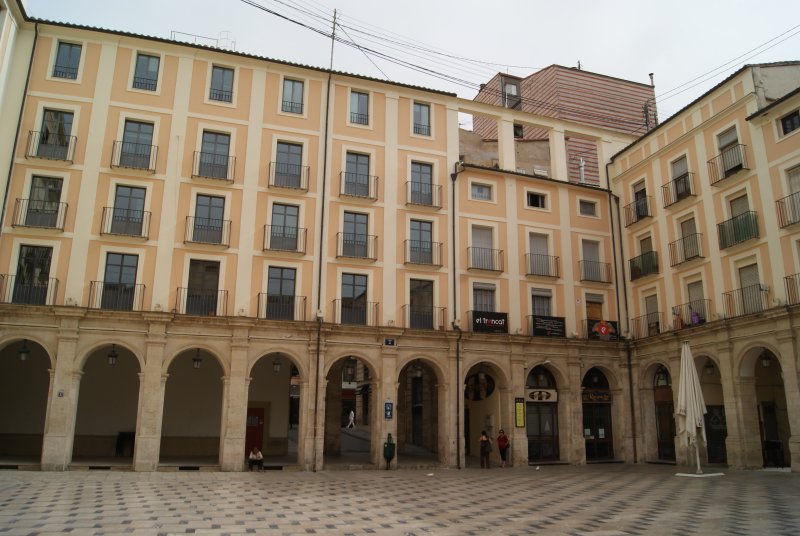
<point>349,393</point>
<point>419,438</point>
<point>483,409</point>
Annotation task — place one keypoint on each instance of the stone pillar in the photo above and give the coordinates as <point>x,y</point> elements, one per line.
<point>234,414</point>
<point>576,447</point>
<point>506,144</point>
<point>313,405</point>
<point>791,386</point>
<point>151,400</point>
<point>518,453</point>
<point>388,392</point>
<point>445,448</point>
<point>747,453</point>
<point>558,155</point>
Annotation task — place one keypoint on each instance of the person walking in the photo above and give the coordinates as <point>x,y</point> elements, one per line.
<point>486,449</point>
<point>352,422</point>
<point>502,445</point>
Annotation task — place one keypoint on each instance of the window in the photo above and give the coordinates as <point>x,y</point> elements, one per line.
<point>32,281</point>
<point>359,108</point>
<point>280,293</point>
<point>751,289</point>
<point>214,155</point>
<point>289,165</point>
<point>421,242</point>
<point>481,192</point>
<point>356,176</point>
<point>422,119</point>
<point>421,304</point>
<point>421,184</point>
<point>541,301</point>
<point>354,238</point>
<point>128,214</point>
<point>483,297</point>
<point>539,263</point>
<point>791,122</point>
<point>292,96</point>
<point>146,74</point>
<point>511,94</point>
<point>730,154</point>
<point>680,178</point>
<point>483,254</point>
<point>283,231</point>
<point>203,288</point>
<point>119,282</point>
<point>68,58</point>
<point>697,303</point>
<point>690,239</point>
<point>587,208</point>
<point>518,131</point>
<point>653,316</point>
<point>593,269</point>
<point>55,141</point>
<point>221,84</point>
<point>354,299</point>
<point>641,207</point>
<point>44,203</point>
<point>208,219</point>
<point>137,144</point>
<point>536,200</point>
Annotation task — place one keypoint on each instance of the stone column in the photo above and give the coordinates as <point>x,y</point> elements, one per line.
<point>389,387</point>
<point>151,400</point>
<point>746,453</point>
<point>791,386</point>
<point>576,446</point>
<point>234,414</point>
<point>518,453</point>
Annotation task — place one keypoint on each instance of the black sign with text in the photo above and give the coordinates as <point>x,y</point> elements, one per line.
<point>489,322</point>
<point>549,326</point>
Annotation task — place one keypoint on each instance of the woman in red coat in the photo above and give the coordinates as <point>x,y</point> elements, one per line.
<point>502,445</point>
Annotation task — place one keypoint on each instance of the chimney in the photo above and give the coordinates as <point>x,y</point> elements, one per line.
<point>652,84</point>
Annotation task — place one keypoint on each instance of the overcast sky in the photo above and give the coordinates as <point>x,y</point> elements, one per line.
<point>684,43</point>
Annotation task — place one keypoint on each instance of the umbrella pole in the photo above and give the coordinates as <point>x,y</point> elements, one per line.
<point>697,453</point>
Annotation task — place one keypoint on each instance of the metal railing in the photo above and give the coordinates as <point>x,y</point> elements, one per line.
<point>788,210</point>
<point>213,166</point>
<point>644,264</point>
<point>422,252</point>
<point>65,71</point>
<point>358,185</point>
<point>292,176</point>
<point>141,82</point>
<point>356,312</point>
<point>648,325</point>
<point>738,229</point>
<point>51,146</point>
<point>42,214</point>
<point>279,307</point>
<point>595,271</point>
<point>422,129</point>
<point>202,302</point>
<point>116,296</point>
<point>423,193</point>
<point>126,222</point>
<point>292,107</point>
<point>792,284</point>
<point>678,189</point>
<point>424,317</point>
<point>746,300</point>
<point>42,291</point>
<point>220,95</point>
<point>728,162</point>
<point>485,259</point>
<point>685,249</point>
<point>357,246</point>
<point>208,231</point>
<point>693,313</point>
<point>359,119</point>
<point>546,265</point>
<point>134,156</point>
<point>638,210</point>
<point>282,238</point>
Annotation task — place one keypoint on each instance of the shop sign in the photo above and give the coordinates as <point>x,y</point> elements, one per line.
<point>549,326</point>
<point>542,395</point>
<point>596,396</point>
<point>489,322</point>
<point>519,412</point>
<point>602,330</point>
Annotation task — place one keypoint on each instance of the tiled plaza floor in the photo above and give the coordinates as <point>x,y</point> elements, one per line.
<point>599,500</point>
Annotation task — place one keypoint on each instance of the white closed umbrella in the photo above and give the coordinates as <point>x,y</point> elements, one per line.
<point>691,406</point>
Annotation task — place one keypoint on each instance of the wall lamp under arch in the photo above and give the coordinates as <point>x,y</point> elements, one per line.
<point>24,351</point>
<point>766,359</point>
<point>112,355</point>
<point>418,369</point>
<point>276,364</point>
<point>197,360</point>
<point>709,367</point>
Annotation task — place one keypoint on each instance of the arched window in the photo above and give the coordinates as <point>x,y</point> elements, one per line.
<point>662,377</point>
<point>595,379</point>
<point>540,378</point>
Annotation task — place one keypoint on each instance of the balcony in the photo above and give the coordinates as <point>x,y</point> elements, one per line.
<point>51,146</point>
<point>599,272</point>
<point>424,317</point>
<point>678,189</point>
<point>40,214</point>
<point>638,210</point>
<point>279,307</point>
<point>28,290</point>
<point>65,71</point>
<point>727,163</point>
<point>134,156</point>
<point>685,249</point>
<point>600,330</point>
<point>221,95</point>
<point>213,166</point>
<point>142,82</point>
<point>291,176</point>
<point>546,326</point>
<point>644,264</point>
<point>648,325</point>
<point>356,246</point>
<point>424,194</point>
<point>358,185</point>
<point>115,296</point>
<point>544,265</point>
<point>746,300</point>
<point>488,322</point>
<point>694,313</point>
<point>125,222</point>
<point>738,229</point>
<point>281,238</point>
<point>422,252</point>
<point>792,284</point>
<point>788,210</point>
<point>485,259</point>
<point>292,107</point>
<point>359,119</point>
<point>202,302</point>
<point>422,129</point>
<point>208,231</point>
<point>356,312</point>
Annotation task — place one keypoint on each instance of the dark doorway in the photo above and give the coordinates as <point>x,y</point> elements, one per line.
<point>665,422</point>
<point>716,433</point>
<point>597,416</point>
<point>542,427</point>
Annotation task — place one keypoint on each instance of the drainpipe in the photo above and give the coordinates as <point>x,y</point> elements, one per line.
<point>458,392</point>
<point>19,124</point>
<point>459,395</point>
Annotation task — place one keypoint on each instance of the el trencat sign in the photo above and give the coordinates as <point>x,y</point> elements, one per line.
<point>487,322</point>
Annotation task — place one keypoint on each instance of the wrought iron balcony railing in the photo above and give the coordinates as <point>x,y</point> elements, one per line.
<point>644,264</point>
<point>678,189</point>
<point>202,302</point>
<point>356,312</point>
<point>28,290</point>
<point>65,71</point>
<point>279,307</point>
<point>423,252</point>
<point>213,166</point>
<point>595,271</point>
<point>746,300</point>
<point>788,210</point>
<point>685,249</point>
<point>358,185</point>
<point>422,129</point>
<point>485,259</point>
<point>423,193</point>
<point>292,107</point>
<point>291,176</point>
<point>220,95</point>
<point>357,246</point>
<point>424,317</point>
<point>141,82</point>
<point>51,146</point>
<point>42,214</point>
<point>693,313</point>
<point>648,325</point>
<point>359,119</point>
<point>638,210</point>
<point>545,265</point>
<point>792,284</point>
<point>116,296</point>
<point>208,231</point>
<point>727,163</point>
<point>282,238</point>
<point>134,156</point>
<point>738,229</point>
<point>125,222</point>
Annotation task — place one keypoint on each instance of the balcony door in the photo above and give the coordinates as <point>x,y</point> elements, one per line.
<point>214,155</point>
<point>137,142</point>
<point>421,184</point>
<point>539,254</point>
<point>119,282</point>
<point>208,219</point>
<point>356,177</point>
<point>421,298</point>
<point>651,307</point>
<point>128,211</point>
<point>591,260</point>
<point>697,303</point>
<point>55,138</point>
<point>680,177</point>
<point>421,242</point>
<point>280,293</point>
<point>354,299</point>
<point>354,239</point>
<point>44,202</point>
<point>283,232</point>
<point>33,275</point>
<point>482,246</point>
<point>750,283</point>
<point>729,150</point>
<point>203,286</point>
<point>690,240</point>
<point>640,200</point>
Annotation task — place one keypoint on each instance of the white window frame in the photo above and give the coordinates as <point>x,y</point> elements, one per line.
<point>234,92</point>
<point>132,71</point>
<point>54,52</point>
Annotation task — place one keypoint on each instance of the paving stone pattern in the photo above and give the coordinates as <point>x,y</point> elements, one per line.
<point>601,500</point>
